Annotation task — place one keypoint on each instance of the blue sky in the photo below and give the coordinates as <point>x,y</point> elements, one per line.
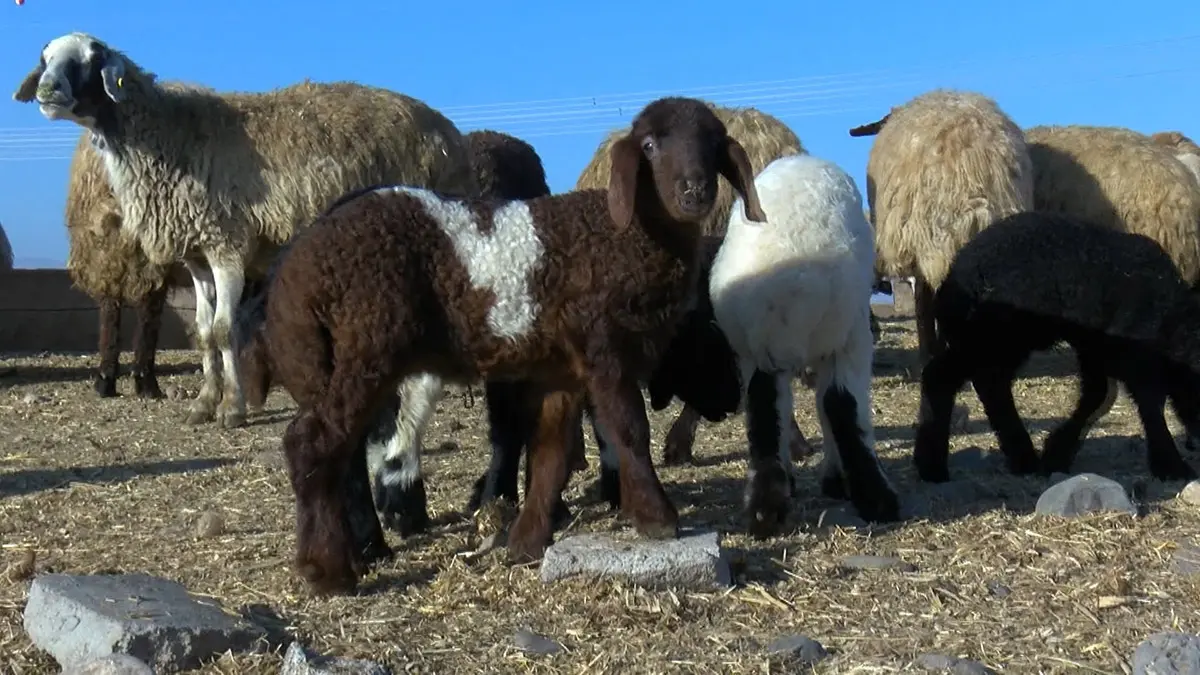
<point>560,73</point>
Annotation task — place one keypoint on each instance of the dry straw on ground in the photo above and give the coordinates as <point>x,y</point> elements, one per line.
<point>90,485</point>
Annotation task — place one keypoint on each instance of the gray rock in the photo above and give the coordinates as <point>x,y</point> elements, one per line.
<point>82,618</point>
<point>301,661</point>
<point>840,517</point>
<point>1186,560</point>
<point>1191,493</point>
<point>532,643</point>
<point>952,664</point>
<point>876,562</point>
<point>113,664</point>
<point>998,589</point>
<point>1167,654</point>
<point>1084,494</point>
<point>693,560</point>
<point>798,649</point>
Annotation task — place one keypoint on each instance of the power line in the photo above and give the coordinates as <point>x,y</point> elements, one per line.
<point>573,122</point>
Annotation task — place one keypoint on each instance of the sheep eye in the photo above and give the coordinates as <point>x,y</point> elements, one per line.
<point>648,145</point>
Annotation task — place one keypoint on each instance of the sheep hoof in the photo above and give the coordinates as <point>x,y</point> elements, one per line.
<point>876,503</point>
<point>677,451</point>
<point>146,386</point>
<point>231,419</point>
<point>106,386</point>
<point>403,507</point>
<point>526,541</point>
<point>1023,463</point>
<point>657,524</point>
<point>325,579</point>
<point>375,552</point>
<point>768,503</point>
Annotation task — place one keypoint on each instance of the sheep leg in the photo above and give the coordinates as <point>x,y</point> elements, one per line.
<point>610,465</point>
<point>532,530</point>
<point>203,409</point>
<point>940,381</point>
<point>928,344</point>
<point>621,413</point>
<point>365,530</point>
<point>110,347</point>
<point>1062,444</point>
<point>513,408</point>
<point>844,409</point>
<point>768,497</point>
<point>1150,397</point>
<point>993,386</point>
<point>229,281</point>
<point>1184,395</point>
<point>576,461</point>
<point>395,455</point>
<point>1113,388</point>
<point>677,449</point>
<point>318,461</point>
<point>145,343</point>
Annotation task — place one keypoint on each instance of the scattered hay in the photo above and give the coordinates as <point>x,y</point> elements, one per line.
<point>120,485</point>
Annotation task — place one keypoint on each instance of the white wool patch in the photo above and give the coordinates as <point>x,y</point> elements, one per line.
<point>502,261</point>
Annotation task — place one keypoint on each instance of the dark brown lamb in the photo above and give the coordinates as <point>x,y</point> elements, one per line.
<point>579,293</point>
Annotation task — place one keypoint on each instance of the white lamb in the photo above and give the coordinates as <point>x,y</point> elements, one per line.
<point>795,292</point>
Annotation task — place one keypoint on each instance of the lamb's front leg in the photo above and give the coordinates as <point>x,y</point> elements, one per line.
<point>205,405</point>
<point>228,278</point>
<point>769,417</point>
<point>621,414</point>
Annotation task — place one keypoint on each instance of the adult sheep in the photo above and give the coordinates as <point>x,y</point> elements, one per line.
<point>943,166</point>
<point>213,180</point>
<point>765,139</point>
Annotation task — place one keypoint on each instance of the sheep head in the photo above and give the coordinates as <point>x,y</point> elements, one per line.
<point>77,78</point>
<point>673,153</point>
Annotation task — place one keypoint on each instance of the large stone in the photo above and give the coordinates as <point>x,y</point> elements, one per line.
<point>694,560</point>
<point>301,661</point>
<point>1167,654</point>
<point>78,619</point>
<point>1084,494</point>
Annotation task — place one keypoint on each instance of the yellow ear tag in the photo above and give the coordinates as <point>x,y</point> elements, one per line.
<point>120,82</point>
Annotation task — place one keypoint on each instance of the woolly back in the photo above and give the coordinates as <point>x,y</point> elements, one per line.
<point>764,138</point>
<point>506,167</point>
<point>1184,149</point>
<point>946,165</point>
<point>1120,179</point>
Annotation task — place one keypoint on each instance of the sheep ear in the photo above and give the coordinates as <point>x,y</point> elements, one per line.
<point>626,158</point>
<point>28,88</point>
<point>735,166</point>
<point>113,76</point>
<point>870,129</point>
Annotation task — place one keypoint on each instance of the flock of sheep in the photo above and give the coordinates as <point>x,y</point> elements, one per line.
<point>350,245</point>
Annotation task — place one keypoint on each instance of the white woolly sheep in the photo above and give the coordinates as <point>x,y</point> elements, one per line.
<point>215,180</point>
<point>792,293</point>
<point>945,165</point>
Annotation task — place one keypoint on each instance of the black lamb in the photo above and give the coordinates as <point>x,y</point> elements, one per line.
<point>1034,279</point>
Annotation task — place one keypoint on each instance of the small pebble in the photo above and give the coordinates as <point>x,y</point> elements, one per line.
<point>998,589</point>
<point>210,524</point>
<point>800,649</point>
<point>532,643</point>
<point>1191,493</point>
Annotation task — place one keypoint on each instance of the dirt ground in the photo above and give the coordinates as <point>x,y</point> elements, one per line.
<point>119,485</point>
